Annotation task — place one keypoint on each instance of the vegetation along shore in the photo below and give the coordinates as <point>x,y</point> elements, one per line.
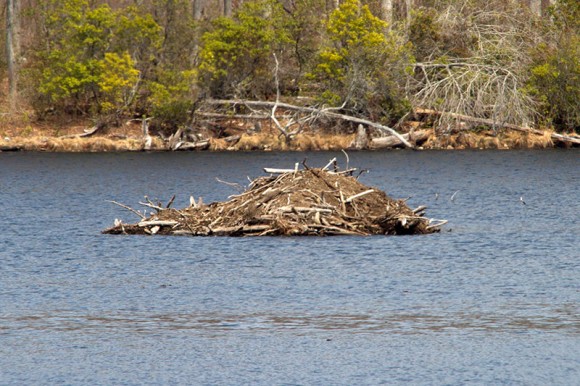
<point>179,75</point>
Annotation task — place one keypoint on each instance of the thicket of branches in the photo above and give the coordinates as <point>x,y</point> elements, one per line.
<point>377,59</point>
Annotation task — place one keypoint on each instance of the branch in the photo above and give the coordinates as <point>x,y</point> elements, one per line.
<point>312,110</point>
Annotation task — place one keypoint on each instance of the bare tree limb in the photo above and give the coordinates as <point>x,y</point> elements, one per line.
<point>312,110</point>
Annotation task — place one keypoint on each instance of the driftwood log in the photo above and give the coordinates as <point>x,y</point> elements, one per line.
<point>290,202</point>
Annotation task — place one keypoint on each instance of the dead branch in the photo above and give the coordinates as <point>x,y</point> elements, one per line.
<point>314,113</point>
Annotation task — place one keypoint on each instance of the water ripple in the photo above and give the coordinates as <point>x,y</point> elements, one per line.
<point>559,320</point>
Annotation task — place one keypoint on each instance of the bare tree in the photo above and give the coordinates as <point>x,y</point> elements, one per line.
<point>387,11</point>
<point>198,8</point>
<point>487,83</point>
<point>228,8</point>
<point>13,48</point>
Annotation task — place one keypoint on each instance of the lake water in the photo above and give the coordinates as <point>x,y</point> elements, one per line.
<point>493,299</point>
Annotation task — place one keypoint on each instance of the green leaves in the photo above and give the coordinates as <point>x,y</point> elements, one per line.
<point>236,55</point>
<point>362,63</point>
<point>92,57</point>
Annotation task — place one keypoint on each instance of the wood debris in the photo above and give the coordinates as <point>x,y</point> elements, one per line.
<point>305,202</point>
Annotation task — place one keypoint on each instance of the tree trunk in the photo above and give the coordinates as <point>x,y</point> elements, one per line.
<point>198,6</point>
<point>536,7</point>
<point>387,11</point>
<point>408,9</point>
<point>228,8</point>
<point>12,49</point>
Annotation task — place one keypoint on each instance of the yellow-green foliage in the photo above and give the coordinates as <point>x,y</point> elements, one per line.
<point>363,62</point>
<point>171,97</point>
<point>237,53</point>
<point>118,80</point>
<point>91,63</point>
<point>555,73</point>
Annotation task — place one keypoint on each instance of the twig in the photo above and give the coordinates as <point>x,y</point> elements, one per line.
<point>128,208</point>
<point>239,187</point>
<point>359,195</point>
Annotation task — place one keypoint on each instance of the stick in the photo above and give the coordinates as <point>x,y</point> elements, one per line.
<point>152,206</point>
<point>359,195</point>
<point>128,208</point>
<point>239,187</point>
<point>347,159</point>
<point>157,222</point>
<point>330,163</point>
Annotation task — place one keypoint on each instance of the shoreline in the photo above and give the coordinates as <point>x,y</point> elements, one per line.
<point>74,137</point>
<point>265,143</point>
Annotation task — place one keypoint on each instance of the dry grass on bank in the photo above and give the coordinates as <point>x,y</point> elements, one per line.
<point>270,142</point>
<point>265,142</point>
<point>20,132</point>
<point>505,140</point>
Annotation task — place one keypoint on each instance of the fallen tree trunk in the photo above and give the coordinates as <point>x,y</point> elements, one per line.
<point>199,145</point>
<point>417,137</point>
<point>316,112</point>
<point>492,123</point>
<point>92,131</point>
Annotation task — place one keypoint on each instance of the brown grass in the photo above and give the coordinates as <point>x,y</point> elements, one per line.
<point>269,142</point>
<point>22,131</point>
<point>520,140</point>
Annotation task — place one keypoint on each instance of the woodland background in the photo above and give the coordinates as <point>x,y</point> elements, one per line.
<point>508,61</point>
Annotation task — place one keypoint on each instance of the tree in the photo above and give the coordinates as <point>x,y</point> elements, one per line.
<point>476,63</point>
<point>13,49</point>
<point>236,55</point>
<point>361,67</point>
<point>554,79</point>
<point>387,11</point>
<point>228,8</point>
<point>198,8</point>
<point>94,57</point>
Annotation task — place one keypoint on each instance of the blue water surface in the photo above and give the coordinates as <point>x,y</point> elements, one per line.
<point>493,299</point>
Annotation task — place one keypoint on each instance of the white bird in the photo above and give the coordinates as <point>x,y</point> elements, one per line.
<point>522,200</point>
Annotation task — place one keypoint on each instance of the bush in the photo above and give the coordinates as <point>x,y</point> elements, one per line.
<point>87,65</point>
<point>363,64</point>
<point>237,53</point>
<point>555,72</point>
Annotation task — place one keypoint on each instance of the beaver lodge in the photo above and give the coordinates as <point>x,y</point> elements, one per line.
<point>305,202</point>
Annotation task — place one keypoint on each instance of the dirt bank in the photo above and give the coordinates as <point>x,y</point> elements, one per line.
<point>72,136</point>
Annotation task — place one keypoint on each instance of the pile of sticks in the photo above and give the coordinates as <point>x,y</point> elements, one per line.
<point>309,201</point>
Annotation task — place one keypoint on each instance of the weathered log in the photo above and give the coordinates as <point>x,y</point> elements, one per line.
<point>87,133</point>
<point>418,136</point>
<point>199,145</point>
